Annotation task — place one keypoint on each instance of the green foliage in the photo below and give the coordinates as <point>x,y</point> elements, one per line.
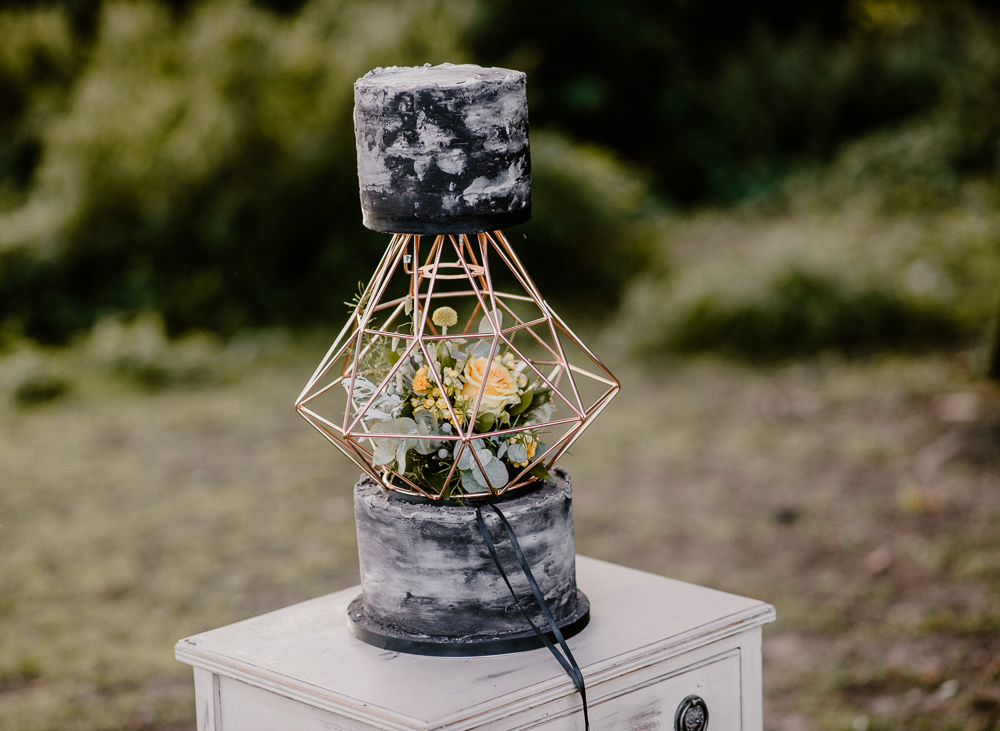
<point>765,284</point>
<point>720,100</point>
<point>197,159</point>
<point>139,351</point>
<point>202,165</point>
<point>889,245</point>
<point>926,162</point>
<point>30,377</point>
<point>205,166</point>
<point>38,58</point>
<point>594,224</point>
<point>40,390</point>
<point>801,314</point>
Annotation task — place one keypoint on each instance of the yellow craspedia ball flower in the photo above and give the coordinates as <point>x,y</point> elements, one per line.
<point>444,317</point>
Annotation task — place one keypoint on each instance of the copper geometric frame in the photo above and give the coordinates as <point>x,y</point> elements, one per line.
<point>480,277</point>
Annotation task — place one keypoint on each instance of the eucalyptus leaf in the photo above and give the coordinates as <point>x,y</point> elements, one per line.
<point>382,454</point>
<point>481,349</point>
<point>465,458</point>
<point>517,454</point>
<point>426,422</point>
<point>403,425</point>
<point>485,456</point>
<point>392,356</point>
<point>425,446</point>
<point>484,323</point>
<point>496,473</point>
<point>401,451</point>
<point>470,481</point>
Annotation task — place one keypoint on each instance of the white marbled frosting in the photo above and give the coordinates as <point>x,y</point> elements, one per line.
<point>442,149</point>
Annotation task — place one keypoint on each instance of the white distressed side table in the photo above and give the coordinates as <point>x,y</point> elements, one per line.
<point>652,643</point>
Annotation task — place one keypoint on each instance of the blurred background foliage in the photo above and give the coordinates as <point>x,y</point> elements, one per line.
<point>769,181</point>
<point>196,160</point>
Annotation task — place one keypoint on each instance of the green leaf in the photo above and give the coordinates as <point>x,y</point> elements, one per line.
<point>496,473</point>
<point>392,356</point>
<point>465,458</point>
<point>425,446</point>
<point>526,398</point>
<point>435,480</point>
<point>485,421</point>
<point>540,472</point>
<point>401,451</point>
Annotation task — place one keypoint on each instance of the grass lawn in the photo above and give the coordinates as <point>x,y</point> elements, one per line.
<point>861,498</point>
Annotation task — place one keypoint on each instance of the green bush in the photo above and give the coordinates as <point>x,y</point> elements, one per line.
<point>721,100</point>
<point>39,58</point>
<point>763,284</point>
<point>892,244</point>
<point>803,314</point>
<point>594,226</point>
<point>204,167</point>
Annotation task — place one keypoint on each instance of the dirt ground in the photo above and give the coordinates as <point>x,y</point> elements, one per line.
<point>861,498</point>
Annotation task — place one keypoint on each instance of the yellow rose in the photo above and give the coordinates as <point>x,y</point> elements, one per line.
<point>499,389</point>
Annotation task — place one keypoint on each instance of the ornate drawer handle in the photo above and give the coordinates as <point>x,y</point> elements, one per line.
<point>692,715</point>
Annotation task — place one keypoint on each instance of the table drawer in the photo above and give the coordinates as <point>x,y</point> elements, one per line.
<point>652,705</point>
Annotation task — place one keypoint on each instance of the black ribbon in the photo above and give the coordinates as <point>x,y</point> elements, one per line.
<point>567,661</point>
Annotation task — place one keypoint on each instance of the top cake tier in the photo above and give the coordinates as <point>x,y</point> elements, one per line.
<point>442,149</point>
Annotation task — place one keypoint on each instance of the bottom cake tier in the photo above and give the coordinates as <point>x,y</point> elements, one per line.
<point>430,586</point>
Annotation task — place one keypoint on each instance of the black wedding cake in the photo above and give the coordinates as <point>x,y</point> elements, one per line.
<point>444,150</point>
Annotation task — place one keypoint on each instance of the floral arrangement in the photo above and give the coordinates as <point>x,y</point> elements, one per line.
<point>459,389</point>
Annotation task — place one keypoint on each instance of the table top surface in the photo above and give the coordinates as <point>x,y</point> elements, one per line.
<point>306,650</point>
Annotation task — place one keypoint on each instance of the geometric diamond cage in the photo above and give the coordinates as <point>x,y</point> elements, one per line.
<point>482,280</point>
